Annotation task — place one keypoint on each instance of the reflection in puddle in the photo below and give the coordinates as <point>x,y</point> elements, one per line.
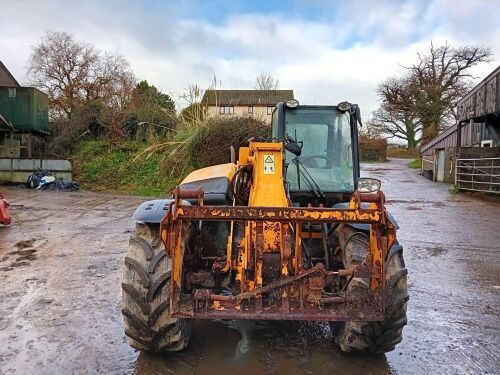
<point>260,347</point>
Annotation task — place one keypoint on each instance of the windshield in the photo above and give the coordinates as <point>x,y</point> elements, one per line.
<point>326,149</point>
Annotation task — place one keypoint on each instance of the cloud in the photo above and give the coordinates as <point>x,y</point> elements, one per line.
<point>326,53</point>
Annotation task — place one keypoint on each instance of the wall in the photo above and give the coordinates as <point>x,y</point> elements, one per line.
<point>26,108</point>
<point>259,112</point>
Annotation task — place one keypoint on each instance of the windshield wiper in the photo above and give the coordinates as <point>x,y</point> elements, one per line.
<point>308,178</point>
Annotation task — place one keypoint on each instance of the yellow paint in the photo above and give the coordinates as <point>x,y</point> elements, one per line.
<point>243,155</point>
<point>221,170</point>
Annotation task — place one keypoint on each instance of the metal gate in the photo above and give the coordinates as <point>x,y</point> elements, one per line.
<point>482,174</point>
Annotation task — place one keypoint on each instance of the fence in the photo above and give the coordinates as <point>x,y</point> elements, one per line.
<point>478,174</point>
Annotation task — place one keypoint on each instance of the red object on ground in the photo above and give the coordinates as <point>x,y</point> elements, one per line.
<point>5,218</point>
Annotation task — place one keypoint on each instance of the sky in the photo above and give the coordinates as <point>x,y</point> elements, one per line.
<point>326,51</point>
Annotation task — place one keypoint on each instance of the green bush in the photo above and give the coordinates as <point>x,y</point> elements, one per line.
<point>372,149</point>
<point>138,168</point>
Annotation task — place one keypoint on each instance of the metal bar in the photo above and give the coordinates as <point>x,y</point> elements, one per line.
<point>479,182</point>
<point>287,214</point>
<point>483,191</point>
<point>479,166</point>
<point>479,159</point>
<point>480,174</point>
<point>375,315</point>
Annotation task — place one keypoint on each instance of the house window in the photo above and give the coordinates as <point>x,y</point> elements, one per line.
<point>250,109</point>
<point>270,110</point>
<point>226,110</point>
<point>12,92</point>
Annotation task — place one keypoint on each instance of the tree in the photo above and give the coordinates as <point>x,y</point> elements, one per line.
<point>441,77</point>
<point>421,103</point>
<point>152,112</point>
<point>266,82</point>
<point>396,117</point>
<point>74,74</point>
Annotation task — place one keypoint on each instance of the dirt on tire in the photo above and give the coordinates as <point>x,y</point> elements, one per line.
<point>145,303</point>
<point>374,337</point>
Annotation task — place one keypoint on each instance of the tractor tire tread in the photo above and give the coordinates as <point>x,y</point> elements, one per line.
<point>145,287</point>
<point>382,336</point>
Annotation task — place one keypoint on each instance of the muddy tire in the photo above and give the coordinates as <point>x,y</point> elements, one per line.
<point>145,305</point>
<point>374,337</point>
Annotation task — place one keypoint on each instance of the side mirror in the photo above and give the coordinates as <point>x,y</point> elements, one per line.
<point>293,147</point>
<point>368,185</point>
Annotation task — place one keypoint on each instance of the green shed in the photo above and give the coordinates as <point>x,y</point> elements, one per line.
<point>25,108</point>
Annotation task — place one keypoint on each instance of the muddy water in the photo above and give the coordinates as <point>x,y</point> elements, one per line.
<point>60,268</point>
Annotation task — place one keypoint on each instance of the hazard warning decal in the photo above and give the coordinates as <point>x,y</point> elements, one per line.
<point>269,166</point>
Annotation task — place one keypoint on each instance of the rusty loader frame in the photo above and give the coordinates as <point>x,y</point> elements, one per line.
<point>298,294</point>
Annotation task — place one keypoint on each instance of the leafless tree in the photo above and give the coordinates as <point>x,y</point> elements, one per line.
<point>421,103</point>
<point>73,74</point>
<point>440,78</point>
<point>266,82</point>
<point>396,117</point>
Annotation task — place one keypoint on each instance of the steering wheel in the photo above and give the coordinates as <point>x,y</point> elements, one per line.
<point>306,160</point>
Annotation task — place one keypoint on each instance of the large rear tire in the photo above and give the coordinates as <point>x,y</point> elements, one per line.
<point>382,336</point>
<point>145,303</point>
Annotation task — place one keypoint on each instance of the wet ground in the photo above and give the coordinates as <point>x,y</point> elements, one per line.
<point>60,270</point>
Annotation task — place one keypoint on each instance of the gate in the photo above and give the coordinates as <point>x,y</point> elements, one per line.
<point>479,174</point>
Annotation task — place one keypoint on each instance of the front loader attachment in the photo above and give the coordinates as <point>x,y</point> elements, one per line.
<point>263,272</point>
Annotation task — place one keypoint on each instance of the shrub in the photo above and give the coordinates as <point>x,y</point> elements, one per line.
<point>372,149</point>
<point>402,152</point>
<point>139,168</point>
<point>212,145</point>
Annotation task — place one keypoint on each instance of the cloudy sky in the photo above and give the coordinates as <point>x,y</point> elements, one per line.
<point>326,51</point>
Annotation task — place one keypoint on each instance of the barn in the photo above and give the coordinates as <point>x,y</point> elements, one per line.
<point>468,153</point>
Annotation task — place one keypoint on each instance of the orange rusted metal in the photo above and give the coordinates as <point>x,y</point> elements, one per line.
<point>269,230</point>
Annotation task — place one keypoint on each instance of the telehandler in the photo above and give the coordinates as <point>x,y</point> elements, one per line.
<point>288,231</point>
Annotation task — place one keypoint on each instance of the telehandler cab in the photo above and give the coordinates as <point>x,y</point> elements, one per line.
<point>289,231</point>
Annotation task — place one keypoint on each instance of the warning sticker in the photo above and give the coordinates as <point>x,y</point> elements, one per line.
<point>269,166</point>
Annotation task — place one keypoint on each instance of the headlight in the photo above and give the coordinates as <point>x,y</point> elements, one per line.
<point>344,106</point>
<point>368,185</point>
<point>292,103</point>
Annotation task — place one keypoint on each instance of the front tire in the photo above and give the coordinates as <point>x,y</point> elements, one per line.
<point>374,337</point>
<point>145,288</point>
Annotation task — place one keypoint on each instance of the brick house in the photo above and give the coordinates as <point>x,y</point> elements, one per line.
<point>258,104</point>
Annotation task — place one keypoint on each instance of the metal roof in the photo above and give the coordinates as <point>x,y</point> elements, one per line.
<point>482,100</point>
<point>439,138</point>
<point>246,97</point>
<point>9,76</point>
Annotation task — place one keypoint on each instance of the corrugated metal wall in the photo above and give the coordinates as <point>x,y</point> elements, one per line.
<point>472,135</point>
<point>26,108</point>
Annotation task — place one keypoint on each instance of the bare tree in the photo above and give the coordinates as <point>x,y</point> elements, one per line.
<point>396,117</point>
<point>266,82</point>
<point>440,78</point>
<point>421,103</point>
<point>73,74</point>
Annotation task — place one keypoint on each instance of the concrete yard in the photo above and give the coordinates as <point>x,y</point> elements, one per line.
<point>60,271</point>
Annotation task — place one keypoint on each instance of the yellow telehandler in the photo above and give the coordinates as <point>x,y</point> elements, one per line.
<point>288,231</point>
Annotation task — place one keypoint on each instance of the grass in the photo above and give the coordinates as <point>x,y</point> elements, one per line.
<point>102,166</point>
<point>453,189</point>
<point>415,164</point>
<point>155,167</point>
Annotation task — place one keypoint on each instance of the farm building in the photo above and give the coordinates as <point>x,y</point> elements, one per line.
<point>24,126</point>
<point>24,113</point>
<point>468,153</point>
